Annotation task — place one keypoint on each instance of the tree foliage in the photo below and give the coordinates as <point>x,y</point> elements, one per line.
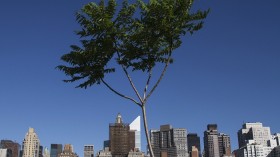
<point>136,36</point>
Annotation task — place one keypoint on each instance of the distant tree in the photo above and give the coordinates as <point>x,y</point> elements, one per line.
<point>137,37</point>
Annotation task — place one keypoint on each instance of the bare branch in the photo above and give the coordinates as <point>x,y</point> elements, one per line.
<point>160,78</point>
<point>124,96</point>
<point>130,81</point>
<point>147,83</point>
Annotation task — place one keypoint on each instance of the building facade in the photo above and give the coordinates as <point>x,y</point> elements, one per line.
<point>55,150</point>
<point>169,142</point>
<point>4,152</point>
<point>31,144</point>
<point>13,146</point>
<point>194,152</point>
<point>253,149</point>
<point>104,153</point>
<point>88,151</point>
<point>136,126</point>
<point>68,151</point>
<point>211,141</point>
<point>216,144</point>
<point>120,135</point>
<point>193,140</point>
<point>224,144</point>
<point>253,131</point>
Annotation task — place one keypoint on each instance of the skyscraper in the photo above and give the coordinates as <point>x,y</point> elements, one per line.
<point>120,141</point>
<point>169,142</point>
<point>31,144</point>
<point>136,125</point>
<point>13,146</point>
<point>211,142</point>
<point>224,144</point>
<point>55,150</point>
<point>88,151</point>
<point>253,131</point>
<point>216,144</point>
<point>256,140</point>
<point>193,140</point>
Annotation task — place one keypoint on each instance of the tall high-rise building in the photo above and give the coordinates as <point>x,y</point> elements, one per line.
<point>169,142</point>
<point>216,144</point>
<point>55,150</point>
<point>224,145</point>
<point>88,151</point>
<point>13,146</point>
<point>256,140</point>
<point>120,138</point>
<point>31,144</point>
<point>136,125</point>
<point>193,140</point>
<point>68,151</point>
<point>253,131</point>
<point>211,142</point>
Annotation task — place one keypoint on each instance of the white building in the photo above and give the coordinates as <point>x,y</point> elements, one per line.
<point>136,125</point>
<point>253,149</point>
<point>254,131</point>
<point>31,144</point>
<point>5,152</point>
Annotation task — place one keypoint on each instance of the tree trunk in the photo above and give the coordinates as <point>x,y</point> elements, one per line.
<point>147,130</point>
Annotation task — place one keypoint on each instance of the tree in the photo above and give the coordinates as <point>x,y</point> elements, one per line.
<point>138,37</point>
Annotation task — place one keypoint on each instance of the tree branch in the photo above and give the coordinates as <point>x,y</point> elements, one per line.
<point>160,78</point>
<point>130,81</point>
<point>124,96</point>
<point>147,83</point>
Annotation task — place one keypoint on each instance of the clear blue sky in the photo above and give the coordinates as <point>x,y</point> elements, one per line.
<point>228,73</point>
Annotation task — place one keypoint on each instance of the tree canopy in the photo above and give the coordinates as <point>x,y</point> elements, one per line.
<point>136,36</point>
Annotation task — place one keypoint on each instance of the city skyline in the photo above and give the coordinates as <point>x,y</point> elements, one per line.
<point>228,73</point>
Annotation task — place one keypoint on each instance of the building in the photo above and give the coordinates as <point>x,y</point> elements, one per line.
<point>104,153</point>
<point>136,126</point>
<point>253,131</point>
<point>194,152</point>
<point>277,138</point>
<point>253,149</point>
<point>256,140</point>
<point>88,151</point>
<point>68,151</point>
<point>106,143</point>
<point>193,140</point>
<point>46,152</point>
<point>122,139</point>
<point>211,141</point>
<point>31,144</point>
<point>41,149</point>
<point>4,152</point>
<point>169,142</point>
<point>224,144</point>
<point>216,144</point>
<point>135,153</point>
<point>13,146</point>
<point>55,150</point>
